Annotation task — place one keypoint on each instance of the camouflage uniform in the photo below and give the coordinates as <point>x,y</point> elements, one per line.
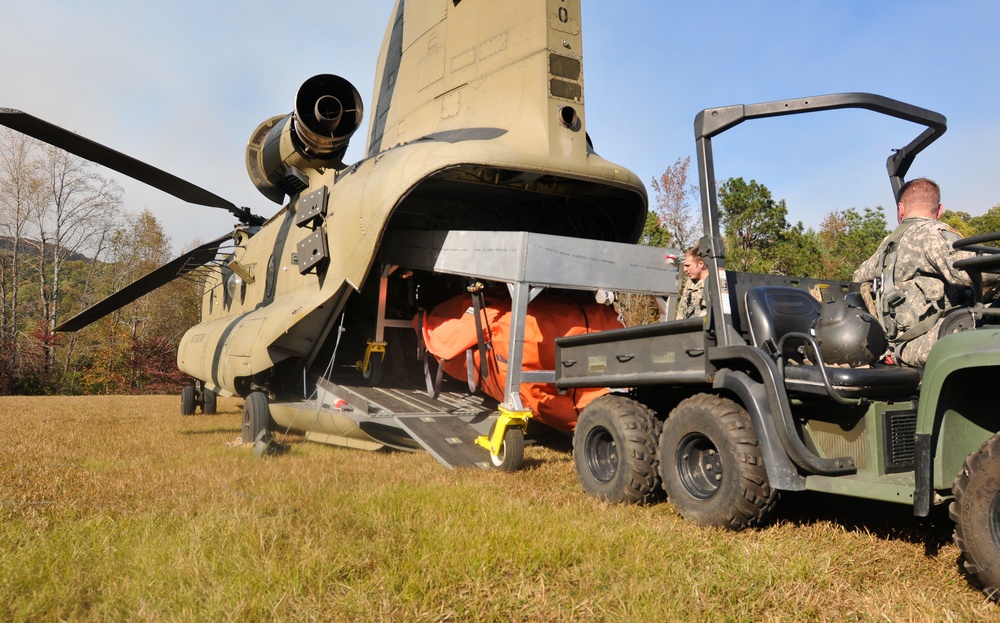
<point>692,301</point>
<point>925,275</point>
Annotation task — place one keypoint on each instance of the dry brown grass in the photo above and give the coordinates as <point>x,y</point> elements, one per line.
<point>120,509</point>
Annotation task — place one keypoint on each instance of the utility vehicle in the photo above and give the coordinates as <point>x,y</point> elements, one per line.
<point>726,411</point>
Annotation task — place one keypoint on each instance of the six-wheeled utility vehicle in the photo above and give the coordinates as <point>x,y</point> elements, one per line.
<point>726,411</point>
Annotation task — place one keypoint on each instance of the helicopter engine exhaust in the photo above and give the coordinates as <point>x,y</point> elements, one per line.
<point>328,110</point>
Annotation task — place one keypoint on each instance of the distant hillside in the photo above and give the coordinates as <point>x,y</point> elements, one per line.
<point>30,247</point>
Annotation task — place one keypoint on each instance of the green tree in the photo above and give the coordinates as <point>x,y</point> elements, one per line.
<point>653,233</point>
<point>961,221</point>
<point>849,238</point>
<point>754,223</point>
<point>798,252</point>
<point>987,223</point>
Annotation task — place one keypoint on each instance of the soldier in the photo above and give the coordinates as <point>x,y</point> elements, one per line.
<point>913,275</point>
<point>692,301</point>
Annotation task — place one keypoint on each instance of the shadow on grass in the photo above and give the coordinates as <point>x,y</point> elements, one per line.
<point>884,520</point>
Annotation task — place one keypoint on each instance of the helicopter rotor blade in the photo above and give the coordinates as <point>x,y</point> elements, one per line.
<point>126,165</point>
<point>178,267</point>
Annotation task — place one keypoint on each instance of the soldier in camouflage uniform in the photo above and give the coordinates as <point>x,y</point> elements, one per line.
<point>922,274</point>
<point>692,301</point>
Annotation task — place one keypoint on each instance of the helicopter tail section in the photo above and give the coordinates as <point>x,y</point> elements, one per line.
<point>449,67</point>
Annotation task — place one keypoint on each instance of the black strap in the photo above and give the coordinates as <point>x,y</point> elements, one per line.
<point>477,305</point>
<point>433,384</point>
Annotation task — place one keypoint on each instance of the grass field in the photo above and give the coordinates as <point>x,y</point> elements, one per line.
<point>118,508</point>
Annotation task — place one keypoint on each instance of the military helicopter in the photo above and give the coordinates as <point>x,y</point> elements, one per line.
<point>478,169</point>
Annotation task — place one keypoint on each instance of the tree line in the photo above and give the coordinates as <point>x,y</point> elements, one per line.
<point>67,241</point>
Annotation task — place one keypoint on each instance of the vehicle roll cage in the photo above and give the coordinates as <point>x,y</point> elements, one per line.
<point>714,121</point>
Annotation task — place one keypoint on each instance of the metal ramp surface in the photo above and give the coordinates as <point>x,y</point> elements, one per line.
<point>446,426</point>
<point>449,439</point>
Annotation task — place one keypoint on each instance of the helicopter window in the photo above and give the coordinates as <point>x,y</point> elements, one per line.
<point>269,279</point>
<point>227,299</point>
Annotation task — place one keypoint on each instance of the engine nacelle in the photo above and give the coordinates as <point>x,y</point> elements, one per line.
<point>328,110</point>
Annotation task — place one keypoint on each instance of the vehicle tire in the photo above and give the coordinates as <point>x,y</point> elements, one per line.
<point>511,456</point>
<point>208,402</point>
<point>976,513</point>
<point>187,400</point>
<point>256,416</point>
<point>614,449</point>
<point>373,375</point>
<point>711,465</point>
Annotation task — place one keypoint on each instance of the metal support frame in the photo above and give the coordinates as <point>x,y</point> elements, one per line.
<point>520,295</point>
<point>527,263</point>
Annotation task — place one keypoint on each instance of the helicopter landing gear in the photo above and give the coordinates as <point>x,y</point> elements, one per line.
<point>256,416</point>
<point>194,396</point>
<point>208,401</point>
<point>188,402</point>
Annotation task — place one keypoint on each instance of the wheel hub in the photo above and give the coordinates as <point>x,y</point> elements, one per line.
<point>602,454</point>
<point>699,466</point>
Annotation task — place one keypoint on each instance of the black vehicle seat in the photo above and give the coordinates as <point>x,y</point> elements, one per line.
<point>774,311</point>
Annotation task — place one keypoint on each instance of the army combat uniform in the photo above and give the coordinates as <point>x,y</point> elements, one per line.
<point>692,301</point>
<point>925,279</point>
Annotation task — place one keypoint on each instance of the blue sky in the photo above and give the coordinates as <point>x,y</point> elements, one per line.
<point>181,84</point>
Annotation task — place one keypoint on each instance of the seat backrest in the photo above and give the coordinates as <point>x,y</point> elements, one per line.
<point>774,311</point>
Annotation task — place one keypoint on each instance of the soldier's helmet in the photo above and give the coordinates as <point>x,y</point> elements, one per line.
<point>848,334</point>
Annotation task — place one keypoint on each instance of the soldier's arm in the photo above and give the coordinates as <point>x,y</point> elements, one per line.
<point>870,268</point>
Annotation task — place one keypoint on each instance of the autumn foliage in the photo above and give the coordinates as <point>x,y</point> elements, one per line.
<point>66,242</point>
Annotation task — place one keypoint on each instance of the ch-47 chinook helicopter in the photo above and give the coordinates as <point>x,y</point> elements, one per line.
<point>478,168</point>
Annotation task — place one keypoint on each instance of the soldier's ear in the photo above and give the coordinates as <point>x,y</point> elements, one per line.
<point>940,210</point>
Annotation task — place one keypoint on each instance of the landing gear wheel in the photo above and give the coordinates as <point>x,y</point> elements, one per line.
<point>614,449</point>
<point>373,375</point>
<point>511,456</point>
<point>187,400</point>
<point>208,402</point>
<point>256,416</point>
<point>711,465</point>
<point>976,513</point>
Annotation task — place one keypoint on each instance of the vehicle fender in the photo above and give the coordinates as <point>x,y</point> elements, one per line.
<point>781,472</point>
<point>957,410</point>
